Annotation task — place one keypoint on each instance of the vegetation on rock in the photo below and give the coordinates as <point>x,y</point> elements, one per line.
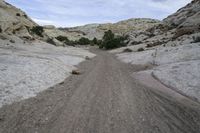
<point>84,41</point>
<point>95,41</point>
<point>196,39</point>
<point>127,50</point>
<point>18,14</point>
<point>110,41</point>
<point>49,40</point>
<point>140,49</point>
<point>62,38</point>
<point>38,30</point>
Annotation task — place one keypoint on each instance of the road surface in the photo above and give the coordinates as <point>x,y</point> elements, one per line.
<point>103,99</point>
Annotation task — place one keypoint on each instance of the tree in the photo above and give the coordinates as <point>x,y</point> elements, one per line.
<point>84,41</point>
<point>110,41</point>
<point>108,35</point>
<point>95,41</point>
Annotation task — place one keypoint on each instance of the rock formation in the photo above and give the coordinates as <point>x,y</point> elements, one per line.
<point>13,21</point>
<point>171,49</point>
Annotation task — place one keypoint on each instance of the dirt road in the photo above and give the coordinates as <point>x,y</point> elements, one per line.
<point>103,99</point>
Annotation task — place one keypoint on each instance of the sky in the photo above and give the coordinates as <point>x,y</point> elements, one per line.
<point>69,13</point>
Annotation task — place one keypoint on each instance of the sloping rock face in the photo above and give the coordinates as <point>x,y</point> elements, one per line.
<point>179,28</point>
<point>29,65</point>
<point>171,49</point>
<point>186,16</point>
<point>14,21</point>
<point>137,24</point>
<point>120,28</point>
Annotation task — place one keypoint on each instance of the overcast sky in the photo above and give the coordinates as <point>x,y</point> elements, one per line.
<point>67,13</point>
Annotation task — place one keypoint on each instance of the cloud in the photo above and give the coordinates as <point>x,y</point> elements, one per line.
<point>80,12</point>
<point>43,22</point>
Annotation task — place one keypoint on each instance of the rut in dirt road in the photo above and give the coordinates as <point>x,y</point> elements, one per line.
<point>104,99</point>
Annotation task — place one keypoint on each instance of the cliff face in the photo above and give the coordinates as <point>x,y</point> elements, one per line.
<point>14,21</point>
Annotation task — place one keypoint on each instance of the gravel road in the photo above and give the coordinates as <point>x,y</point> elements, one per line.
<point>103,99</point>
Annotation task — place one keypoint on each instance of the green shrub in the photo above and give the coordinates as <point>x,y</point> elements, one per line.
<point>136,42</point>
<point>18,14</point>
<point>196,39</point>
<point>140,49</point>
<point>38,30</point>
<point>99,42</point>
<point>70,43</point>
<point>84,41</point>
<point>49,40</point>
<point>110,41</point>
<point>25,16</point>
<point>101,46</point>
<point>127,50</point>
<point>108,35</point>
<point>62,38</point>
<point>95,41</point>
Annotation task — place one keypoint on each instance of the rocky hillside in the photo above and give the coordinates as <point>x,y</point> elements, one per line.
<point>14,21</point>
<point>28,65</point>
<point>97,30</point>
<point>179,28</point>
<point>170,51</point>
<point>188,16</point>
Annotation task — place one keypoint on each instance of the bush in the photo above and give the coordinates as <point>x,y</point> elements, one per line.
<point>38,30</point>
<point>108,35</point>
<point>0,30</point>
<point>62,38</point>
<point>99,42</point>
<point>154,44</point>
<point>196,39</point>
<point>25,16</point>
<point>84,41</point>
<point>95,41</point>
<point>18,14</point>
<point>140,49</point>
<point>49,40</point>
<point>70,43</point>
<point>127,50</point>
<point>135,43</point>
<point>110,41</point>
